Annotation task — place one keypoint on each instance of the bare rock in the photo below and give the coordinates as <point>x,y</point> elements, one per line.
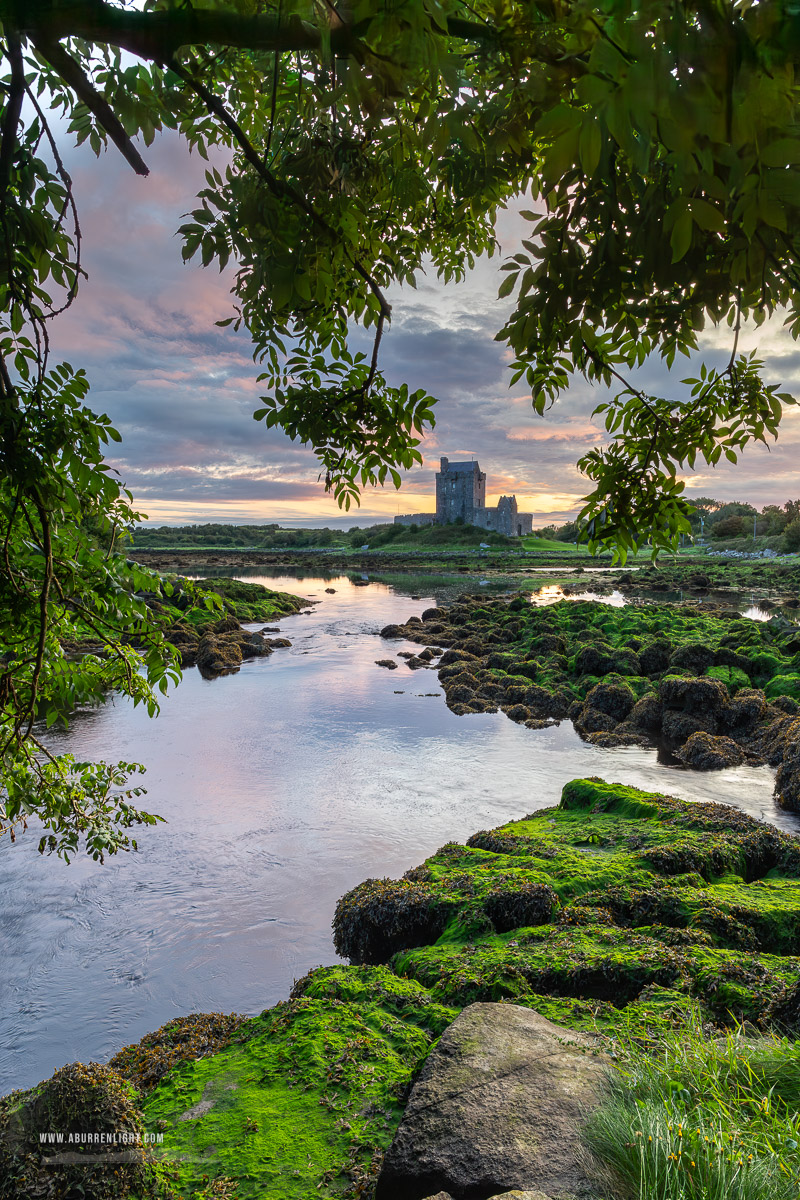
<point>389,663</point>
<point>520,1195</point>
<point>499,1105</point>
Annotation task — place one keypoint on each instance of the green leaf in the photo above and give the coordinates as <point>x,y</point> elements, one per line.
<point>681,237</point>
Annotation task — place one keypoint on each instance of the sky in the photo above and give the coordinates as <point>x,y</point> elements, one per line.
<point>182,392</point>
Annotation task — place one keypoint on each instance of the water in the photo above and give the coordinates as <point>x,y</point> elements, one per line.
<point>283,786</point>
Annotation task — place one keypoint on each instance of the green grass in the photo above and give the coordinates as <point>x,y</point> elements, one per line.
<point>703,1118</point>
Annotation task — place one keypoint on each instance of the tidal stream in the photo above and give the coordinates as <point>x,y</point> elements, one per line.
<point>282,786</point>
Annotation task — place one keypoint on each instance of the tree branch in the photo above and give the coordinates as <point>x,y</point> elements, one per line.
<point>11,115</point>
<point>104,114</point>
<point>277,186</point>
<point>159,35</point>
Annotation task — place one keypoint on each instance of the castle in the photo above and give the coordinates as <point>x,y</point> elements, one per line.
<point>461,495</point>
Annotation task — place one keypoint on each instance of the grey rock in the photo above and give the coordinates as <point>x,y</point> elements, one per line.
<point>498,1106</point>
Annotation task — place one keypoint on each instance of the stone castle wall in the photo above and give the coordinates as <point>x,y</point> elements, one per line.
<point>416,519</point>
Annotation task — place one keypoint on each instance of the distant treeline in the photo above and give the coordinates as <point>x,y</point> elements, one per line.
<point>218,536</point>
<point>718,521</point>
<point>272,537</point>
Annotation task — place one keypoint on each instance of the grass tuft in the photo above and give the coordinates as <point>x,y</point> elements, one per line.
<point>700,1118</point>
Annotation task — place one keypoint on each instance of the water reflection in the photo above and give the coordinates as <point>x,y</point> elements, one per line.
<point>283,785</point>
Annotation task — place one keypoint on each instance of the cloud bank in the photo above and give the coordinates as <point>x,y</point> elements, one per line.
<point>182,392</point>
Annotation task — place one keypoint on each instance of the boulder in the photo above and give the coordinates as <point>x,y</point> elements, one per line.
<point>389,663</point>
<point>498,1106</point>
<point>255,645</point>
<point>679,726</point>
<point>787,781</point>
<point>591,720</point>
<point>226,624</point>
<point>392,631</point>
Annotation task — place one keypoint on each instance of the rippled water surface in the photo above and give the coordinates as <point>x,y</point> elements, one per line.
<point>282,786</point>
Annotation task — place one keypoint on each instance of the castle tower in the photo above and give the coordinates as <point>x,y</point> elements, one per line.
<point>460,490</point>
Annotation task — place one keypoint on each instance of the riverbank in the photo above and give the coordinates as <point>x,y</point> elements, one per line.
<point>617,912</point>
<point>768,582</point>
<point>327,1072</point>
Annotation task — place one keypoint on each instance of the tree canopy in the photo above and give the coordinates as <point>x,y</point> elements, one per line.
<point>659,145</point>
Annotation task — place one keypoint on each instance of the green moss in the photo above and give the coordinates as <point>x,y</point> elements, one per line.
<point>309,1098</point>
<point>732,677</point>
<point>783,685</point>
<point>249,601</point>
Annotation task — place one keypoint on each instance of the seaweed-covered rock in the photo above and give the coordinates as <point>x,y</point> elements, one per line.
<point>646,714</point>
<point>694,656</point>
<point>433,614</point>
<point>777,740</point>
<point>218,655</point>
<point>456,656</point>
<point>91,1105</point>
<point>603,660</point>
<point>512,907</point>
<point>255,645</point>
<point>183,1039</point>
<point>708,753</point>
<point>381,916</point>
<point>746,708</point>
<point>517,712</point>
<point>678,726</point>
<point>708,696</point>
<point>787,782</point>
<point>591,720</point>
<point>546,703</point>
<point>654,658</point>
<point>783,685</point>
<point>725,656</point>
<point>784,1010</point>
<point>615,699</point>
<point>392,632</point>
<point>620,736</point>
